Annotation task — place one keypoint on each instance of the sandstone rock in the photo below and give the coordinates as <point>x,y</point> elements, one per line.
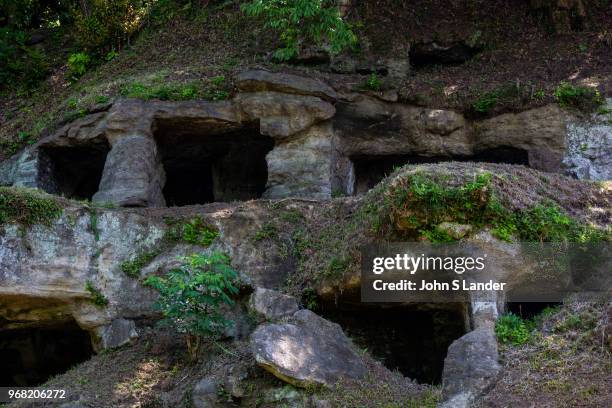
<point>204,394</point>
<point>133,175</point>
<point>272,305</point>
<point>442,122</point>
<point>88,129</point>
<point>282,115</point>
<point>259,80</point>
<point>540,132</point>
<point>302,167</point>
<point>308,350</point>
<point>118,333</point>
<point>471,365</point>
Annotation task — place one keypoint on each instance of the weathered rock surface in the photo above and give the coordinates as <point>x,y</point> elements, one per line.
<point>315,143</point>
<point>471,366</point>
<point>259,80</point>
<point>118,333</point>
<point>44,270</point>
<point>282,115</point>
<point>541,132</point>
<point>589,146</point>
<point>307,350</point>
<point>133,174</point>
<point>302,167</point>
<point>271,304</point>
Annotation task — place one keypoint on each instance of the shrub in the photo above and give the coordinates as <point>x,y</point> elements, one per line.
<point>191,297</point>
<point>302,22</point>
<point>373,83</point>
<point>77,65</point>
<point>194,231</point>
<point>583,98</point>
<point>510,328</point>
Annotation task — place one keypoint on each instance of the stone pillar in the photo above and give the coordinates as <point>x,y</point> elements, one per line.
<point>133,174</point>
<point>302,167</point>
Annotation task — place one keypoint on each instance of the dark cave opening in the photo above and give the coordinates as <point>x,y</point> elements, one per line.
<point>528,310</point>
<point>370,170</point>
<point>205,168</point>
<point>31,356</point>
<point>74,172</point>
<point>412,339</point>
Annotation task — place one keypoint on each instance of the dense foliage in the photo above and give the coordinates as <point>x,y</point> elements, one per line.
<point>191,296</point>
<point>303,22</point>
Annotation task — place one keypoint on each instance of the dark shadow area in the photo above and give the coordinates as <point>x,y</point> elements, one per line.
<point>527,310</point>
<point>29,357</point>
<point>411,339</point>
<point>433,53</point>
<point>370,170</point>
<point>204,168</point>
<point>74,172</point>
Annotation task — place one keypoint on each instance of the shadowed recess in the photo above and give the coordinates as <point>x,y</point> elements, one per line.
<point>73,172</point>
<point>370,170</point>
<point>31,356</point>
<point>203,168</point>
<point>412,340</point>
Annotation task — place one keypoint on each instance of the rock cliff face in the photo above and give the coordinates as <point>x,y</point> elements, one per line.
<point>295,142</point>
<point>293,137</point>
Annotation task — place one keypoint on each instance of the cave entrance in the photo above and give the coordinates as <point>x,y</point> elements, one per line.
<point>204,168</point>
<point>31,356</point>
<point>528,310</point>
<point>74,172</point>
<point>411,339</point>
<point>370,170</point>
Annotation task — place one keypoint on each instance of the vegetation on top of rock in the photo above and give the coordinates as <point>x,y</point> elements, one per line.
<point>507,96</point>
<point>194,231</point>
<point>417,205</point>
<point>191,297</point>
<point>579,97</point>
<point>214,89</point>
<point>27,207</point>
<point>303,22</point>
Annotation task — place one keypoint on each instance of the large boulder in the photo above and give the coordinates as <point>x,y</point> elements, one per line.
<point>271,304</point>
<point>471,366</point>
<point>308,350</point>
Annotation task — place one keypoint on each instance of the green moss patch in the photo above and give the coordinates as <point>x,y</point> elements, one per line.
<point>133,267</point>
<point>27,207</point>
